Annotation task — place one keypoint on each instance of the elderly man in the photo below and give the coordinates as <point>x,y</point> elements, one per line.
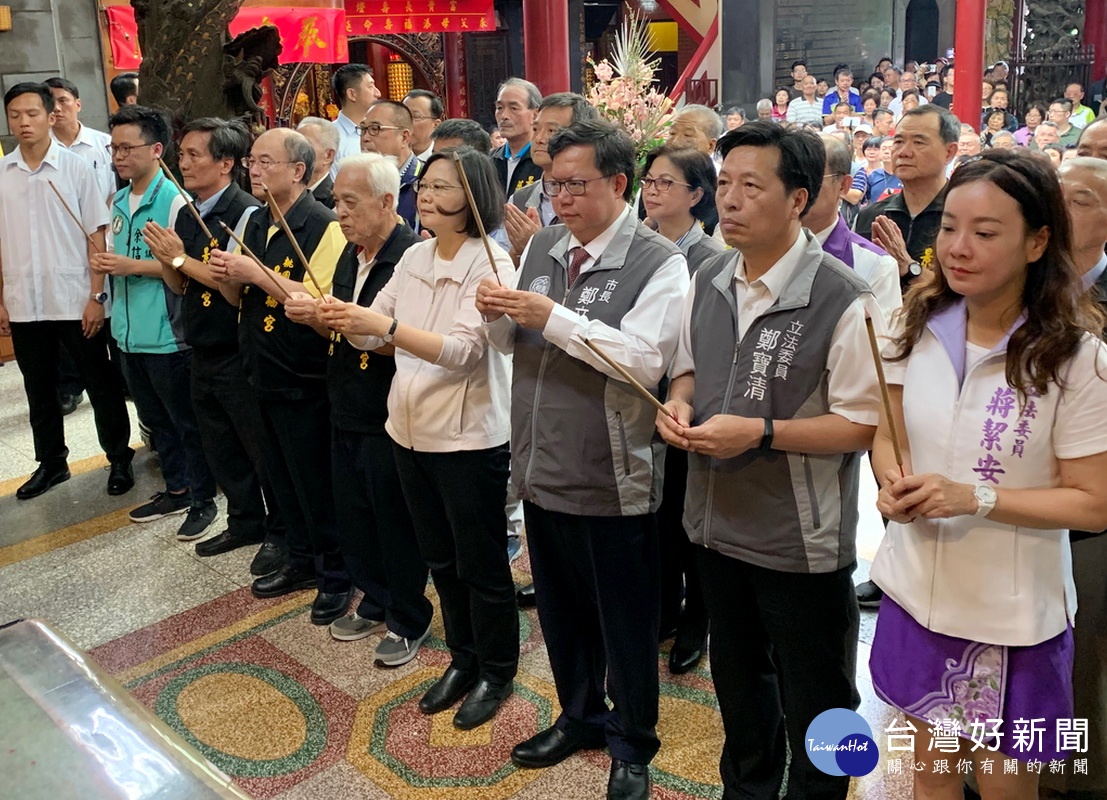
<point>286,363</point>
<point>1093,140</point>
<point>460,133</point>
<point>354,90</point>
<point>805,108</point>
<point>517,104</point>
<point>1081,115</point>
<point>426,114</point>
<point>386,129</point>
<point>589,506</point>
<point>775,557</point>
<point>1045,134</point>
<point>735,118</point>
<point>324,137</point>
<point>968,144</point>
<point>378,539</point>
<point>843,93</point>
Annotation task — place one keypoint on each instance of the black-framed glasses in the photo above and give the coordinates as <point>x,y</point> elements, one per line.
<point>124,150</point>
<point>265,163</point>
<point>375,128</point>
<point>574,187</point>
<point>662,184</point>
<point>433,188</point>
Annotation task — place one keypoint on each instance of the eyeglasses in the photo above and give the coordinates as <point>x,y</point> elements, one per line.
<point>124,150</point>
<point>249,162</point>
<point>433,188</point>
<point>661,184</point>
<point>418,117</point>
<point>832,175</point>
<point>575,187</point>
<point>375,128</point>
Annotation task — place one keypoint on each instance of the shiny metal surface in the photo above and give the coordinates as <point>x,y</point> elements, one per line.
<point>69,730</point>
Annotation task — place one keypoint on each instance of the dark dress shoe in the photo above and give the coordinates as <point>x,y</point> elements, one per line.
<point>269,558</point>
<point>69,402</point>
<point>329,606</point>
<point>628,781</point>
<point>451,687</point>
<point>691,641</point>
<point>869,595</point>
<point>482,703</point>
<point>121,478</point>
<point>525,596</point>
<point>46,476</point>
<point>224,542</point>
<point>284,581</point>
<point>552,746</point>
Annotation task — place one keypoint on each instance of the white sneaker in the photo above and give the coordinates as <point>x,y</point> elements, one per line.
<point>394,650</point>
<point>351,627</point>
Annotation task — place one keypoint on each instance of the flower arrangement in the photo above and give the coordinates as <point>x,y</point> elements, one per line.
<point>623,93</point>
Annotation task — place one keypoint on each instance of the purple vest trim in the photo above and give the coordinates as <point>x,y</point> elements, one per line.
<point>841,240</point>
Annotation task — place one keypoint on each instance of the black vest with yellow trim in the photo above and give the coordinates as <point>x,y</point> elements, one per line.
<point>358,381</point>
<point>283,359</point>
<point>210,322</point>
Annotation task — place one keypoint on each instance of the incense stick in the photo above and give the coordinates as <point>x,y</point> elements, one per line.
<point>188,201</point>
<point>76,219</point>
<point>476,216</point>
<point>250,254</point>
<point>626,376</point>
<point>295,245</point>
<point>879,363</point>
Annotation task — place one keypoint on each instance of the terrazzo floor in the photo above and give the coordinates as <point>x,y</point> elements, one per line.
<point>272,700</point>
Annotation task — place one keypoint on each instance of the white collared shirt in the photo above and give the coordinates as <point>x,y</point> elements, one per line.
<point>92,146</point>
<point>44,253</point>
<point>349,143</point>
<point>880,272</point>
<point>643,343</point>
<point>850,376</point>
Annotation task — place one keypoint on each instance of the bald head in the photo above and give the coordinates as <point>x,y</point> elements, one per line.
<point>283,161</point>
<point>1084,183</point>
<point>1093,141</point>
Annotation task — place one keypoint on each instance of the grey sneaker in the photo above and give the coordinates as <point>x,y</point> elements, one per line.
<point>351,627</point>
<point>395,650</point>
<point>197,522</point>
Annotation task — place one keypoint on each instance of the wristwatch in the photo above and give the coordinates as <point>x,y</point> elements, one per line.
<point>391,331</point>
<point>99,297</point>
<point>767,436</point>
<point>914,269</point>
<point>985,499</point>
<point>178,262</point>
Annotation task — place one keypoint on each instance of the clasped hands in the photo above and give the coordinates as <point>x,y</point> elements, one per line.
<point>528,309</point>
<point>930,496</point>
<point>346,318</point>
<point>722,436</point>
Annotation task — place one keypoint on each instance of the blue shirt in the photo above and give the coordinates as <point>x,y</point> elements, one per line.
<point>1091,276</point>
<point>833,98</point>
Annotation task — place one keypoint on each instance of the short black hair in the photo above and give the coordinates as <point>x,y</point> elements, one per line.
<point>582,109</point>
<point>488,189</point>
<point>436,107</point>
<point>612,150</point>
<point>802,154</point>
<point>123,86</point>
<point>152,123</point>
<point>27,87</point>
<point>401,114</point>
<point>228,139</point>
<point>1064,102</point>
<point>799,62</point>
<point>467,130</point>
<point>346,76</point>
<point>59,82</point>
<point>698,170</point>
<point>880,112</point>
<point>949,127</point>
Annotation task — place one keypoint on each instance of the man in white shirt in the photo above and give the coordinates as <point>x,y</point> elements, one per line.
<point>72,134</point>
<point>354,91</point>
<point>582,450</point>
<point>806,108</point>
<point>48,296</point>
<point>426,113</point>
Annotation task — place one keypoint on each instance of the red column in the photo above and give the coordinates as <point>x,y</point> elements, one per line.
<point>457,88</point>
<point>546,44</point>
<point>968,51</point>
<point>1095,33</point>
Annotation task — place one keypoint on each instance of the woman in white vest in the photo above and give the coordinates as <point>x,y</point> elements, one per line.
<point>999,394</point>
<point>448,415</point>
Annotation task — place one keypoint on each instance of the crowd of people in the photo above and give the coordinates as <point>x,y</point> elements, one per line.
<point>391,344</point>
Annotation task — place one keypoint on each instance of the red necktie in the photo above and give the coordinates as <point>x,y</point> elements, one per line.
<point>578,255</point>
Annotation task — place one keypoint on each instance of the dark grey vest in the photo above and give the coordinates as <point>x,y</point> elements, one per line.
<point>582,443</point>
<point>792,512</point>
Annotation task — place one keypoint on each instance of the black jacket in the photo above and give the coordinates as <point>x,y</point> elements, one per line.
<point>919,233</point>
<point>324,192</point>
<point>526,171</point>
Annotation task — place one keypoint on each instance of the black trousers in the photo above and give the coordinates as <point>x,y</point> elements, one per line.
<point>227,416</point>
<point>69,375</point>
<point>377,535</point>
<point>595,580</point>
<point>296,446</point>
<point>457,501</point>
<point>680,575</point>
<point>36,352</point>
<point>783,645</point>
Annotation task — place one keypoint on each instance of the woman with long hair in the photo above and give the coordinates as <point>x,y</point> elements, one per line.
<point>999,391</point>
<point>678,189</point>
<point>448,416</point>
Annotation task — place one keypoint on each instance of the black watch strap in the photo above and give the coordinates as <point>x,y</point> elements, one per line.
<point>767,436</point>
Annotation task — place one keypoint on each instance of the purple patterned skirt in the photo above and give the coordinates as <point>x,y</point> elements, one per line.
<point>937,677</point>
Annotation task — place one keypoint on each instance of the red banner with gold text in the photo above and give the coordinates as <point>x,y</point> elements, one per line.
<point>367,17</point>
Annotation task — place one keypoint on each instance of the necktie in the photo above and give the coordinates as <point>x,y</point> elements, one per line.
<point>578,255</point>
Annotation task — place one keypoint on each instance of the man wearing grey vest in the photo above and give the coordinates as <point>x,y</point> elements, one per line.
<point>584,458</point>
<point>774,395</point>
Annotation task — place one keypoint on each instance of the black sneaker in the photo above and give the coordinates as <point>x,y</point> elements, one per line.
<point>869,595</point>
<point>198,519</point>
<point>161,505</point>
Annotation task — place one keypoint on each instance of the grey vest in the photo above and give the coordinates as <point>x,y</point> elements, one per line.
<point>792,512</point>
<point>582,443</point>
